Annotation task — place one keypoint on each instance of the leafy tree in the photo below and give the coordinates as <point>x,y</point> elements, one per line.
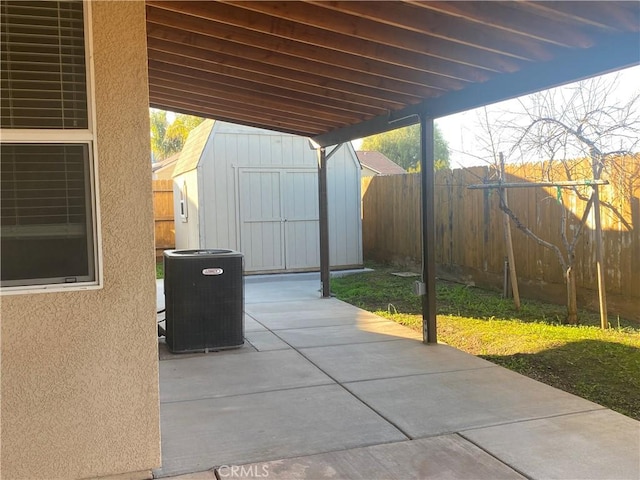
<point>159,124</point>
<point>168,138</point>
<point>403,147</point>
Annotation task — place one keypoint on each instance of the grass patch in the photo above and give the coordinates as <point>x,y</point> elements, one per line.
<point>600,365</point>
<point>159,269</point>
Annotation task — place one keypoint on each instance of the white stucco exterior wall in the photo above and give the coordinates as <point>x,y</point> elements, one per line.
<point>80,369</point>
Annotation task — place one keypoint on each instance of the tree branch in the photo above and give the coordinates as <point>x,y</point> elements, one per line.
<point>522,227</point>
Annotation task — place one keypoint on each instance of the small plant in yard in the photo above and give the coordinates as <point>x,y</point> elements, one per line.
<point>600,365</point>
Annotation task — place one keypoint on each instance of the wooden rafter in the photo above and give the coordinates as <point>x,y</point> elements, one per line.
<point>336,70</point>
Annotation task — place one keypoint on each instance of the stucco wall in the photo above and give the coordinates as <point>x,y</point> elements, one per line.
<point>79,369</point>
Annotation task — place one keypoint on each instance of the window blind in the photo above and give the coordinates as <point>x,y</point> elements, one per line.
<point>45,214</point>
<point>43,185</point>
<point>42,72</point>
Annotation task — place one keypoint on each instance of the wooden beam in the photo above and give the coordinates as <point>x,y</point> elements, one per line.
<point>248,97</point>
<point>160,50</point>
<point>199,112</point>
<point>609,53</point>
<point>233,116</point>
<point>282,35</point>
<point>226,104</point>
<point>608,16</point>
<point>365,29</point>
<point>508,17</point>
<point>561,183</point>
<point>335,65</point>
<point>162,64</point>
<point>447,27</point>
<point>288,93</point>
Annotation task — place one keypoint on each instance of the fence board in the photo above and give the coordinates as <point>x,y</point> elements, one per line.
<point>163,216</point>
<point>469,234</point>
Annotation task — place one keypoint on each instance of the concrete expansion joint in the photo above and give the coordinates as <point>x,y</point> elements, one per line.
<point>498,459</point>
<point>533,419</point>
<point>248,394</point>
<point>423,374</point>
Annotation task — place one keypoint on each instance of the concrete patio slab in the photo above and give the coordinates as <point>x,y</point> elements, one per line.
<point>448,402</point>
<point>290,318</point>
<point>165,354</point>
<point>281,291</point>
<point>315,308</point>
<point>363,332</point>
<point>367,361</point>
<point>441,458</point>
<point>265,341</point>
<point>251,325</point>
<point>600,444</point>
<point>198,435</point>
<point>282,405</point>
<point>208,376</point>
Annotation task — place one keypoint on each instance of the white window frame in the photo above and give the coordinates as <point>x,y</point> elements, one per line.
<point>184,203</point>
<point>80,136</point>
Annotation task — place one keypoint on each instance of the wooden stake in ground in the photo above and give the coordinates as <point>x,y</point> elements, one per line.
<point>572,309</point>
<point>508,242</point>
<point>604,322</point>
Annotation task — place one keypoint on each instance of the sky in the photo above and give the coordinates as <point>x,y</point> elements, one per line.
<point>460,130</point>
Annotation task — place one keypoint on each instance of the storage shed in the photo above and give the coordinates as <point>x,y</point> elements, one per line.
<point>256,191</point>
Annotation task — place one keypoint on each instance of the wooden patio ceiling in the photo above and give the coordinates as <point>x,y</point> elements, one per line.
<point>340,70</point>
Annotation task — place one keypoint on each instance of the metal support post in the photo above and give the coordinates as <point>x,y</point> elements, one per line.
<point>323,211</point>
<point>427,177</point>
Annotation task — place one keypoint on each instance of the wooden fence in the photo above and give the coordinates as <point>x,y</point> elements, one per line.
<point>470,237</point>
<point>163,215</point>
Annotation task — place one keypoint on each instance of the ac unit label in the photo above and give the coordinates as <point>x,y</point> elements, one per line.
<point>212,271</point>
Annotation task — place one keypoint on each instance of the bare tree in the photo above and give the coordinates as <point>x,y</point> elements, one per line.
<point>585,121</point>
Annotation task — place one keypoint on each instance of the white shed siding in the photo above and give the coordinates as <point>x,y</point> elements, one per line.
<point>343,192</point>
<point>187,230</point>
<point>258,193</point>
<point>219,194</point>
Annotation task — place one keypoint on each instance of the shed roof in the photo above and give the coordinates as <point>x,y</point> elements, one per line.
<point>379,163</point>
<point>340,70</point>
<point>193,147</point>
<point>168,163</point>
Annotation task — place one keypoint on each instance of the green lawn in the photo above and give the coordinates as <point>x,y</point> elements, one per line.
<point>599,365</point>
<point>159,270</point>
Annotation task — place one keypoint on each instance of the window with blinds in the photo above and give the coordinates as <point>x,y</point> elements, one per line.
<point>47,200</point>
<point>43,76</point>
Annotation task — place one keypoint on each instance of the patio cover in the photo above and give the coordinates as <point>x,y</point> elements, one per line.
<point>340,70</point>
<point>335,71</point>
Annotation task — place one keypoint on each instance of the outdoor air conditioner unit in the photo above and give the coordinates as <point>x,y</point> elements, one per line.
<point>204,300</point>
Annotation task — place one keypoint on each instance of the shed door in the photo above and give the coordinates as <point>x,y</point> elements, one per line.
<point>261,220</point>
<point>279,219</point>
<point>302,238</point>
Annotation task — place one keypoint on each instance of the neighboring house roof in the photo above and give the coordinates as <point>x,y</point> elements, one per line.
<point>193,147</point>
<point>379,163</point>
<point>166,166</point>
